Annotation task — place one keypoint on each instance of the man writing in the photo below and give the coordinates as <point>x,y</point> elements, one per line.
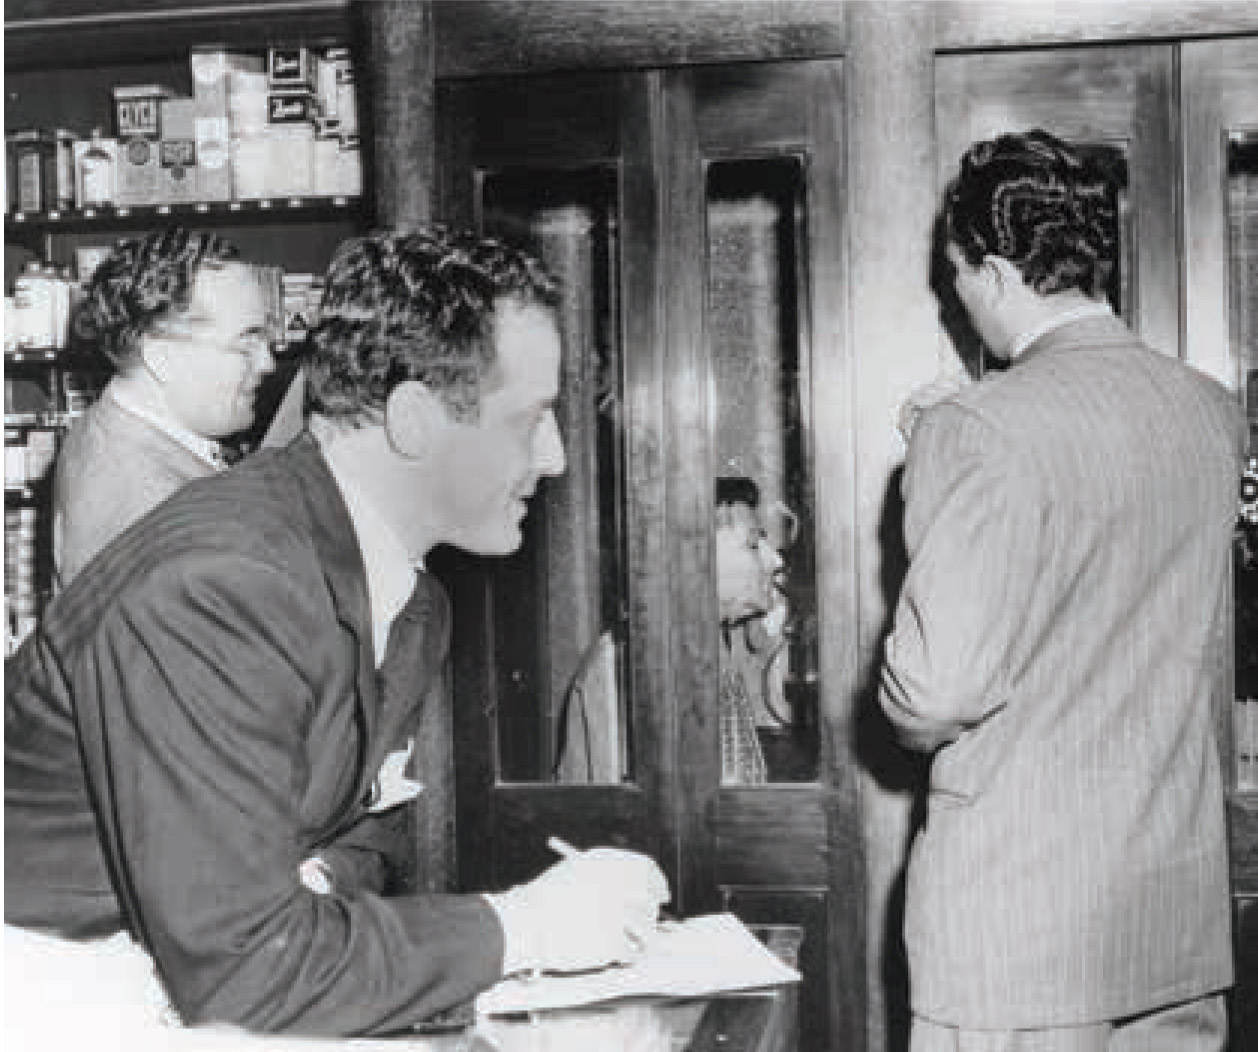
<point>1057,643</point>
<point>201,713</point>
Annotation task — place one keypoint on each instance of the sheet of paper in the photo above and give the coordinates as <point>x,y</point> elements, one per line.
<point>701,956</point>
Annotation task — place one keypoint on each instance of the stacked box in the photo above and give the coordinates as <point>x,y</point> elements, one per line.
<point>179,175</point>
<point>137,109</point>
<point>250,151</point>
<point>212,71</point>
<point>100,186</point>
<point>291,135</point>
<point>290,68</point>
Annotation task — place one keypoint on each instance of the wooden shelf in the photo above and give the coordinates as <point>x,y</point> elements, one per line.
<point>221,213</point>
<point>34,355</point>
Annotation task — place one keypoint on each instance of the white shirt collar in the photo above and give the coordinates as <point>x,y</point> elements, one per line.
<point>390,571</point>
<point>202,448</point>
<point>1025,339</point>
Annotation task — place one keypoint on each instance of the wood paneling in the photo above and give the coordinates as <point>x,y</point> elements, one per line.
<point>487,37</point>
<point>890,203</point>
<point>1243,826</point>
<point>1243,1001</point>
<point>525,36</point>
<point>982,24</point>
<point>1219,92</point>
<point>400,132</point>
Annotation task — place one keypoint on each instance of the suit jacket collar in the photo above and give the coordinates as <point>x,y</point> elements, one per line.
<point>332,532</point>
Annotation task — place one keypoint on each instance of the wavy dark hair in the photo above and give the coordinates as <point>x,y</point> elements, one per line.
<point>414,306</point>
<point>1042,205</point>
<point>141,283</point>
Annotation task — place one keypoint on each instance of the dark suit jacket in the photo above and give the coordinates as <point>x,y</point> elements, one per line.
<point>1060,634</point>
<point>196,715</point>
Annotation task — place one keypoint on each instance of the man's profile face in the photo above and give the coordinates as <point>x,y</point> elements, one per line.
<point>219,354</point>
<point>745,563</point>
<point>486,469</point>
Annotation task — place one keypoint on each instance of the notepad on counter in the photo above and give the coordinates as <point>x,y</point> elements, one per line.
<point>702,956</point>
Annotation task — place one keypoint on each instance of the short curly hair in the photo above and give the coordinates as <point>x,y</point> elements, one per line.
<point>140,284</point>
<point>414,306</point>
<point>1041,204</point>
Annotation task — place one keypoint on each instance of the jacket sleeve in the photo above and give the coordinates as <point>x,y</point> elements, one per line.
<point>972,523</point>
<point>205,686</point>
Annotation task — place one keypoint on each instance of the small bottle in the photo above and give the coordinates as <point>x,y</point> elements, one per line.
<point>96,174</point>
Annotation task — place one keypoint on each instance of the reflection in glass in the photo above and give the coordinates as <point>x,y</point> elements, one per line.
<point>1242,212</point>
<point>558,604</point>
<point>764,495</point>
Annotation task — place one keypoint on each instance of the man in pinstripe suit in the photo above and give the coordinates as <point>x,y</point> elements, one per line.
<point>1057,645</point>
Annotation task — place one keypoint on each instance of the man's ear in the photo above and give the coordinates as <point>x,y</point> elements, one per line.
<point>1005,277</point>
<point>412,417</point>
<point>155,354</point>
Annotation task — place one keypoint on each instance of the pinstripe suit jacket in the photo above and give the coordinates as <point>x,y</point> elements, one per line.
<point>1059,638</point>
<point>196,714</point>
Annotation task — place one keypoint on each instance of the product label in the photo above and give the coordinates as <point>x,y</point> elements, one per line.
<point>289,109</point>
<point>178,153</point>
<point>288,65</point>
<point>139,151</point>
<point>138,116</point>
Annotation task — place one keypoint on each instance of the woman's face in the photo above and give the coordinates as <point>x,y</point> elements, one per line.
<point>745,564</point>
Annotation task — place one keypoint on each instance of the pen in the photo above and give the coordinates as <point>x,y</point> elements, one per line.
<point>562,848</point>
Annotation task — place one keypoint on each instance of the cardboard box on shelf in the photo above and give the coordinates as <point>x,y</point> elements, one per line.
<point>349,168</point>
<point>247,104</point>
<point>138,168</point>
<point>250,166</point>
<point>290,168</point>
<point>104,175</point>
<point>178,173</point>
<point>211,133</point>
<point>290,67</point>
<point>137,110</point>
<point>212,66</point>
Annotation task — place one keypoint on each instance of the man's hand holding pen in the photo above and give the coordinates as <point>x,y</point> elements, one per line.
<point>593,908</point>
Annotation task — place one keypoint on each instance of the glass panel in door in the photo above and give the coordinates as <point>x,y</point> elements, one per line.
<point>558,605</point>
<point>763,491</point>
